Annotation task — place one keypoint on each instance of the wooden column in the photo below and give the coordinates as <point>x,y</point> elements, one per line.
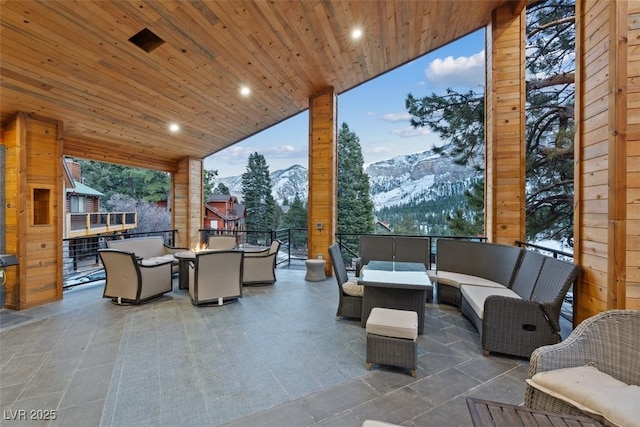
<point>187,203</point>
<point>33,187</point>
<point>505,127</point>
<point>607,189</point>
<point>323,178</point>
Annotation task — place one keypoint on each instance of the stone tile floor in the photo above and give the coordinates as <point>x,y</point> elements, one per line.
<point>277,357</point>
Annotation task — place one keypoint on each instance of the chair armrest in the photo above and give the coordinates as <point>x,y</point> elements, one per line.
<point>358,266</point>
<point>501,310</point>
<point>173,250</point>
<point>257,254</point>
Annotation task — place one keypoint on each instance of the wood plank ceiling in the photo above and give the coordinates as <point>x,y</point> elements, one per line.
<point>73,61</point>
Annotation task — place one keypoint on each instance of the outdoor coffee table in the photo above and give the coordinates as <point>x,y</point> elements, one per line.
<point>485,413</point>
<point>399,285</point>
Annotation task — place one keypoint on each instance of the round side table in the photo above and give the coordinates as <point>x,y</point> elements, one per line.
<point>315,270</point>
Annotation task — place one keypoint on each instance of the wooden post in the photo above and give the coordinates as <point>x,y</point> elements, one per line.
<point>323,167</point>
<point>505,127</point>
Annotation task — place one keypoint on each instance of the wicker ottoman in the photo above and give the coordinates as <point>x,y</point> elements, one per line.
<point>391,338</point>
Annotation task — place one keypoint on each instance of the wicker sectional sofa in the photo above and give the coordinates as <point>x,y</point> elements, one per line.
<point>512,296</point>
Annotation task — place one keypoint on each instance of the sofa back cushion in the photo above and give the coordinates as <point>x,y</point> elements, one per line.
<point>144,247</point>
<point>379,248</point>
<point>527,274</point>
<point>412,249</point>
<point>487,260</point>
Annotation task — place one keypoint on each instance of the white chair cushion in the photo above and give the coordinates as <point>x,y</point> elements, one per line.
<point>352,288</point>
<point>475,296</point>
<point>457,279</point>
<point>393,323</point>
<point>592,391</point>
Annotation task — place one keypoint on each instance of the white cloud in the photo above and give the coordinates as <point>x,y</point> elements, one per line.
<point>397,117</point>
<point>410,132</point>
<point>466,71</point>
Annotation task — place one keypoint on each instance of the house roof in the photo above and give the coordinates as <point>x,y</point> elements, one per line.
<point>83,190</point>
<point>76,63</point>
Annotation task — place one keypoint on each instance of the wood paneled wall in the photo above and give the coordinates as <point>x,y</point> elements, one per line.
<point>34,211</point>
<point>505,128</point>
<point>187,202</point>
<point>607,214</point>
<point>323,174</point>
<point>632,289</point>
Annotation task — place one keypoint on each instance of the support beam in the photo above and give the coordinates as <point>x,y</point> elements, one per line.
<point>187,203</point>
<point>505,128</point>
<point>323,177</point>
<point>607,185</point>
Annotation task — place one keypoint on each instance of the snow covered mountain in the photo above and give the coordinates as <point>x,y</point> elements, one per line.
<point>393,182</point>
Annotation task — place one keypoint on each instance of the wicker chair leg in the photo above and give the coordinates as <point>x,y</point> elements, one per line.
<point>368,366</point>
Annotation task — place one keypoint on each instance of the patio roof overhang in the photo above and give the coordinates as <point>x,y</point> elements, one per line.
<point>74,62</point>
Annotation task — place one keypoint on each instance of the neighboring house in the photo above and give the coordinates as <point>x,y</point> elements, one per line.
<point>223,212</point>
<point>382,227</point>
<point>82,208</point>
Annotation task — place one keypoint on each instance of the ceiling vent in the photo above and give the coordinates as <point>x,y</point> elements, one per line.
<point>146,40</point>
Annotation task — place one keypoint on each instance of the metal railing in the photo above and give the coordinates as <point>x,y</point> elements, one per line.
<point>80,254</point>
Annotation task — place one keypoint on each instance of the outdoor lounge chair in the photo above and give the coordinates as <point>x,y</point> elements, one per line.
<point>348,305</point>
<point>221,242</point>
<point>260,267</point>
<point>215,277</point>
<point>130,282</point>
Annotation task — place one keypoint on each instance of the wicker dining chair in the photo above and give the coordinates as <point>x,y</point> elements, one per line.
<point>348,305</point>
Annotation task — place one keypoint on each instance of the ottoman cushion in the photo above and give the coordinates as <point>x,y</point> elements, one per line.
<point>393,323</point>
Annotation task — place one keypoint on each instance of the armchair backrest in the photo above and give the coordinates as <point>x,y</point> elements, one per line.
<point>372,247</point>
<point>412,249</point>
<point>122,274</point>
<point>339,269</point>
<point>275,247</point>
<point>221,242</point>
<point>216,274</point>
<point>144,247</point>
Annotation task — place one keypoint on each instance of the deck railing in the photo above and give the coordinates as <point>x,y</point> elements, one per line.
<point>80,224</point>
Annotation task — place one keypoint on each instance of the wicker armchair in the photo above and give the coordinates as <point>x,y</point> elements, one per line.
<point>610,340</point>
<point>348,306</point>
<point>260,267</point>
<point>130,282</point>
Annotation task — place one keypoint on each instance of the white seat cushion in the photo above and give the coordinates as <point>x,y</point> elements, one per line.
<point>593,391</point>
<point>475,296</point>
<point>458,279</point>
<point>393,323</point>
<point>352,288</point>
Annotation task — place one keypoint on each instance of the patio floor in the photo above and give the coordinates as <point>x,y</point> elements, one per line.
<point>277,357</point>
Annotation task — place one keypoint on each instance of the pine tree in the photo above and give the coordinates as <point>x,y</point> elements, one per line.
<point>459,120</point>
<point>258,199</point>
<point>355,208</point>
<point>296,218</point>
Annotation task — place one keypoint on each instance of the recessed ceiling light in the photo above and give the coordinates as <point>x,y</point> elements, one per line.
<point>356,33</point>
<point>245,91</point>
<point>174,127</point>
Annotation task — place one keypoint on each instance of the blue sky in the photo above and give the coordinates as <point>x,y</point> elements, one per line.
<point>375,111</point>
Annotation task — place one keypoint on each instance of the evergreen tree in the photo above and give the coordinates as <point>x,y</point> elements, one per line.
<point>137,183</point>
<point>459,120</point>
<point>221,189</point>
<point>208,182</point>
<point>296,218</point>
<point>258,199</point>
<point>355,208</point>
<point>407,225</point>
